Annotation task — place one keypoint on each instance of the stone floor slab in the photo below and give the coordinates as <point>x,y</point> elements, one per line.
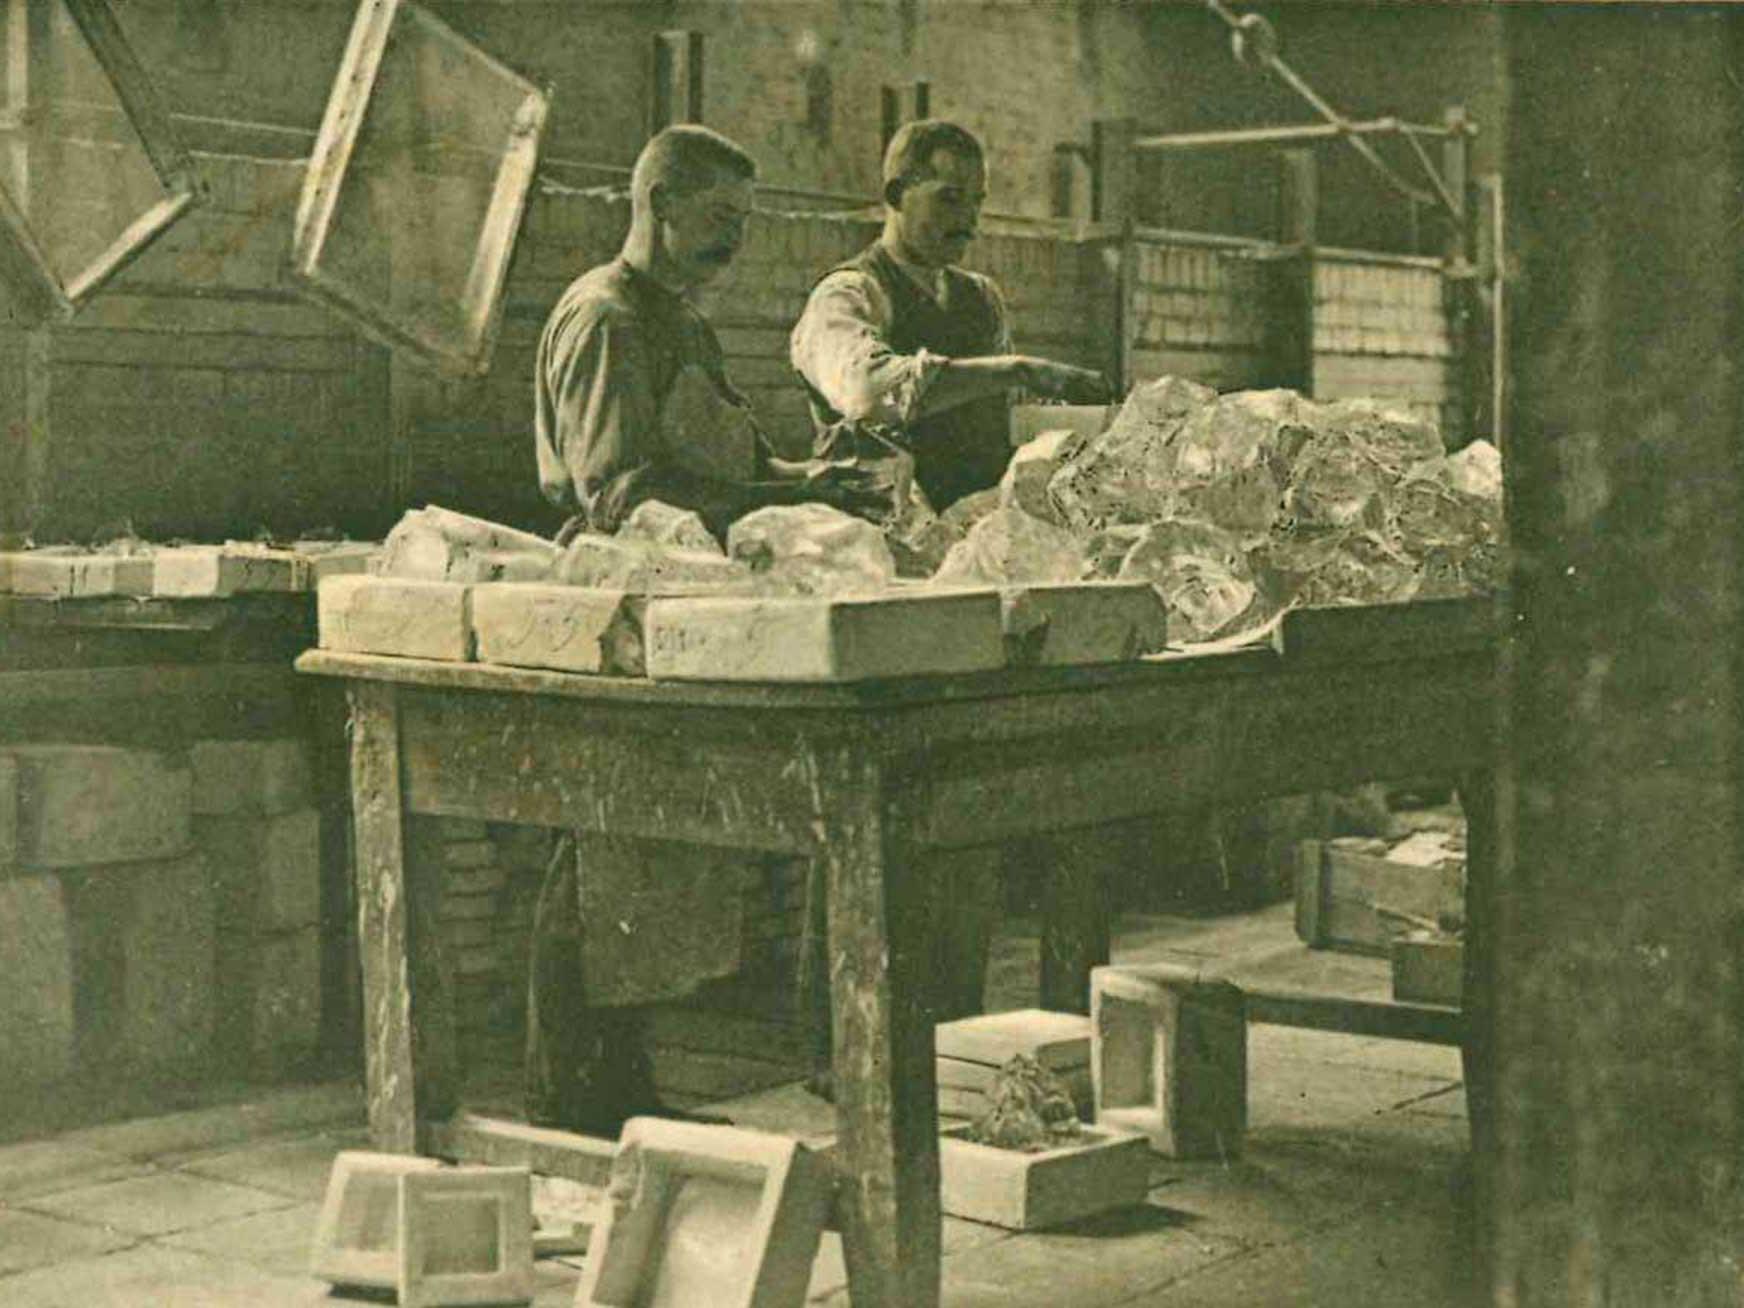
<point>158,1204</point>
<point>279,1240</point>
<point>1038,1272</point>
<point>304,1108</point>
<point>1268,1196</point>
<point>1397,1254</point>
<point>30,1240</point>
<point>44,1166</point>
<point>153,1276</point>
<point>297,1168</point>
<point>829,1273</point>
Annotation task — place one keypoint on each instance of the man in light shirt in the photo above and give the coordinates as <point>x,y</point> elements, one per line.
<point>900,339</point>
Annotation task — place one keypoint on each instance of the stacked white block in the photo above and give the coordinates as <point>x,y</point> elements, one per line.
<point>1169,1057</point>
<point>261,834</point>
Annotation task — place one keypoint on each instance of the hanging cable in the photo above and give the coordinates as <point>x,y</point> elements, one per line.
<point>1255,42</point>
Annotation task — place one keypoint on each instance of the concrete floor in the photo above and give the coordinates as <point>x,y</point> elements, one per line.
<point>1350,1190</point>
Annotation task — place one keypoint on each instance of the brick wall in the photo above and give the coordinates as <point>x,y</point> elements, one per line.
<point>798,81</point>
<point>1197,313</point>
<point>198,396</point>
<point>1381,330</point>
<point>737,1035</point>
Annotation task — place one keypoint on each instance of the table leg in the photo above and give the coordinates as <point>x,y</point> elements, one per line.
<point>1075,913</point>
<point>1477,793</point>
<point>408,1015</point>
<point>886,1094</point>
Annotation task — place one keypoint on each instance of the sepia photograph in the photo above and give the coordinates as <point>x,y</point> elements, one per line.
<point>896,653</point>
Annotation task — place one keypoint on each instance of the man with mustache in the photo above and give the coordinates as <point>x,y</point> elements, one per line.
<point>900,346</point>
<point>900,339</point>
<point>612,354</point>
<point>622,335</point>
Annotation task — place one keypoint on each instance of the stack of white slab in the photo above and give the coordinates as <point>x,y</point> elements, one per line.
<point>971,1051</point>
<point>398,616</point>
<point>1055,624</point>
<point>256,821</point>
<point>909,631</point>
<point>905,633</point>
<point>71,574</point>
<point>202,571</point>
<point>181,571</point>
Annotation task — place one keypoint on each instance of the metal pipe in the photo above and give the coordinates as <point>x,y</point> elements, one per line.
<point>1441,191</point>
<point>1261,135</point>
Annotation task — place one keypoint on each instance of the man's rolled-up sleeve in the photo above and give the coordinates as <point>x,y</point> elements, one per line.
<point>609,437</point>
<point>604,414</point>
<point>841,348</point>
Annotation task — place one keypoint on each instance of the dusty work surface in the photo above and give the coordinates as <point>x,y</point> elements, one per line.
<point>1350,1191</point>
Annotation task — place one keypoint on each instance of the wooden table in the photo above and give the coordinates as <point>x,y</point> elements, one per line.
<point>863,778</point>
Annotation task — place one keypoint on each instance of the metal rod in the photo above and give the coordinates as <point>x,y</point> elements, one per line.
<point>1276,65</point>
<point>1264,135</point>
<point>1332,115</point>
<point>1441,191</point>
<point>1204,240</point>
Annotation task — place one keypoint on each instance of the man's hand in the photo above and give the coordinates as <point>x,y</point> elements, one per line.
<point>1062,381</point>
<point>865,489</point>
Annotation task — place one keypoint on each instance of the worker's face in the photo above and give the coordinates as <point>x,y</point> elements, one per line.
<point>702,230</point>
<point>938,217</point>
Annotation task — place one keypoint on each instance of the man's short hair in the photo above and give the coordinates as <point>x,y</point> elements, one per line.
<point>909,157</point>
<point>687,158</point>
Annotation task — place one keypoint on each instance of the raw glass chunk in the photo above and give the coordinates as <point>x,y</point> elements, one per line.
<point>1121,475</point>
<point>811,549</point>
<point>1200,571</point>
<point>1033,468</point>
<point>434,544</point>
<point>658,523</point>
<point>1363,569</point>
<point>614,563</point>
<point>1008,546</point>
<point>1477,470</point>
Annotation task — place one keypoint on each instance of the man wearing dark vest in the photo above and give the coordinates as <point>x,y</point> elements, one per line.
<point>901,339</point>
<point>900,342</point>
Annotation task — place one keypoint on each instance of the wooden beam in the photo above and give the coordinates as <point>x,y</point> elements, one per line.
<point>1289,282</point>
<point>1113,192</point>
<point>1283,1006</point>
<point>1618,965</point>
<point>677,85</point>
<point>409,1034</point>
<point>902,104</point>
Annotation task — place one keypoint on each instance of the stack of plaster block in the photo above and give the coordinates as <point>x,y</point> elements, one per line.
<point>111,913</point>
<point>66,573</point>
<point>36,1001</point>
<point>256,821</point>
<point>971,1050</point>
<point>400,616</point>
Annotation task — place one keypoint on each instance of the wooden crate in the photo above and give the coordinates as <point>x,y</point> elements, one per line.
<point>1428,969</point>
<point>1338,886</point>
